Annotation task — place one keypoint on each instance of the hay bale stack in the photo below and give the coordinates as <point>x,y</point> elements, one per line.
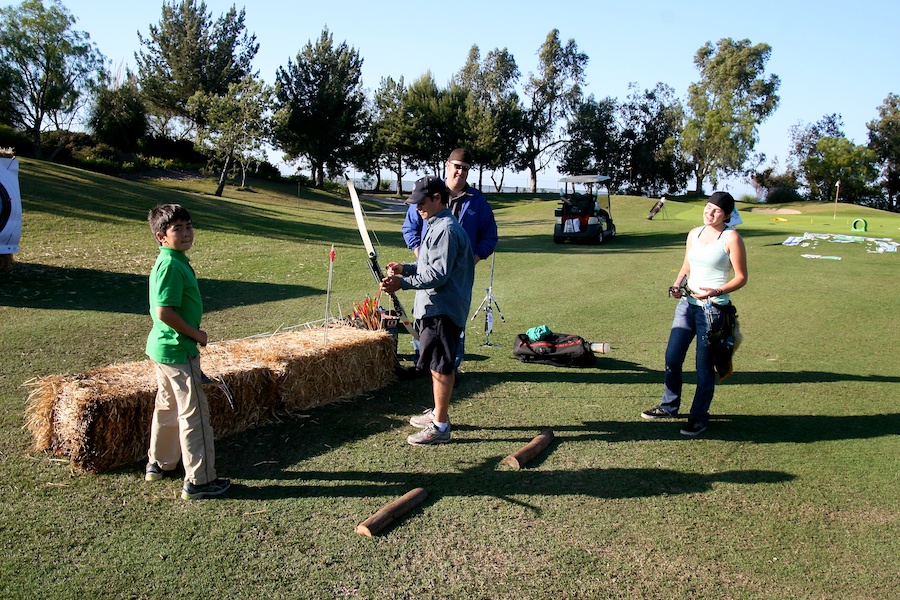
<point>39,409</point>
<point>310,375</point>
<point>101,419</point>
<point>251,382</point>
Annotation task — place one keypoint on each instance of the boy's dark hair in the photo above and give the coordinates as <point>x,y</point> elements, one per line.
<point>163,215</point>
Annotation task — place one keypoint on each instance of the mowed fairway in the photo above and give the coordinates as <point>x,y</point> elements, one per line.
<point>791,493</point>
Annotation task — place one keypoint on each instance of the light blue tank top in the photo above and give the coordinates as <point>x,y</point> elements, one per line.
<point>710,266</point>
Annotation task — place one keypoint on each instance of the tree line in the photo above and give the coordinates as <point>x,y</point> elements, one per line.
<point>194,83</point>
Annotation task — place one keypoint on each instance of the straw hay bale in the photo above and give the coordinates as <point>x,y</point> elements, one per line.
<point>39,410</point>
<point>251,383</point>
<point>101,419</point>
<point>309,375</point>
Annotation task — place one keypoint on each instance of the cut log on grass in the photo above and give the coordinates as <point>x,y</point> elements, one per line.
<point>524,454</point>
<point>389,513</point>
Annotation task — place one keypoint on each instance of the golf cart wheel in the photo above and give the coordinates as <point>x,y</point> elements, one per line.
<point>601,231</point>
<point>557,239</point>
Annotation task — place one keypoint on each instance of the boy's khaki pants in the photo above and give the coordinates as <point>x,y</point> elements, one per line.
<point>180,426</point>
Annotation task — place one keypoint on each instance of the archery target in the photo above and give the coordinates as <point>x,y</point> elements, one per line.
<point>10,206</point>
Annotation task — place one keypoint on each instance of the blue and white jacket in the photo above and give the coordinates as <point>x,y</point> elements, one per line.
<point>475,216</point>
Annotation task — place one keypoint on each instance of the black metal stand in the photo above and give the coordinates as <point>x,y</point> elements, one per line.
<point>487,306</point>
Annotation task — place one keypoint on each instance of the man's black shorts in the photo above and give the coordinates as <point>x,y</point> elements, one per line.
<point>438,342</point>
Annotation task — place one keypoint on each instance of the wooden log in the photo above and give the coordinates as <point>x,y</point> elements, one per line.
<point>389,513</point>
<point>524,454</point>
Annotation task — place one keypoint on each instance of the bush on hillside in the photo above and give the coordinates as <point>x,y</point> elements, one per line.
<point>118,116</point>
<point>778,188</point>
<point>62,146</point>
<point>268,171</point>
<point>179,151</point>
<point>783,195</point>
<point>16,139</point>
<point>103,158</point>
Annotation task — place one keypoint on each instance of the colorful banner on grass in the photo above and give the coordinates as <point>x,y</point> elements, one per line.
<point>10,206</point>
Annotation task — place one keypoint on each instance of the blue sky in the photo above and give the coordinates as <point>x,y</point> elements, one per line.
<point>832,57</point>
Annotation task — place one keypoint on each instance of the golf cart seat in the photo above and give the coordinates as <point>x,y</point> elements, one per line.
<point>578,204</point>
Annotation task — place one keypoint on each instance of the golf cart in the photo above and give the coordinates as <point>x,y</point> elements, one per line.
<point>583,216</point>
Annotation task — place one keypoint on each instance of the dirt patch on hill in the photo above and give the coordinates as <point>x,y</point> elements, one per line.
<point>776,211</point>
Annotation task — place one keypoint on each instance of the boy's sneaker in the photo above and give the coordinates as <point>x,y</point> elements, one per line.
<point>424,420</point>
<point>429,436</point>
<point>153,472</point>
<point>659,413</point>
<point>217,487</point>
<point>693,428</point>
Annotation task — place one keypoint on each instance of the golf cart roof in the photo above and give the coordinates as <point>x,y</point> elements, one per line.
<point>584,179</point>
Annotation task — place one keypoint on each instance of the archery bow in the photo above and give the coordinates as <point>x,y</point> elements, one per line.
<point>373,257</point>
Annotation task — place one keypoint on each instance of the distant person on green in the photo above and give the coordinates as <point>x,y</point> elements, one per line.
<point>180,428</point>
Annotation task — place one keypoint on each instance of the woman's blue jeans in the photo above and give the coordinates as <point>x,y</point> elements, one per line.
<point>690,322</point>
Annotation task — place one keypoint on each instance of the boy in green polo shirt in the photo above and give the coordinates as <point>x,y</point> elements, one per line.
<point>180,428</point>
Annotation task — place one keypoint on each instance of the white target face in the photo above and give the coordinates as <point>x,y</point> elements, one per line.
<point>5,207</point>
<point>10,206</point>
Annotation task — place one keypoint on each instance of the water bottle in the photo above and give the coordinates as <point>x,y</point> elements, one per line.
<point>600,347</point>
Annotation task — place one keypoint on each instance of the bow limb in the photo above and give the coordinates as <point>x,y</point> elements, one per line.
<point>373,257</point>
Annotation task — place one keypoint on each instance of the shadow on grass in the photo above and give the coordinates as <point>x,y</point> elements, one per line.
<point>760,429</point>
<point>487,479</point>
<point>33,285</point>
<point>82,195</point>
<point>270,454</point>
<point>269,462</point>
<point>295,444</point>
<point>613,371</point>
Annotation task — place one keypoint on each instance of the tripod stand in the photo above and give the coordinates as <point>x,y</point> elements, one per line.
<point>486,306</point>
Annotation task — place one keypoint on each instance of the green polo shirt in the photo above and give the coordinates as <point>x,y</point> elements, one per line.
<point>173,283</point>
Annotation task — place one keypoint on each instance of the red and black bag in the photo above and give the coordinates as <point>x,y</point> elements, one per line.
<point>559,349</point>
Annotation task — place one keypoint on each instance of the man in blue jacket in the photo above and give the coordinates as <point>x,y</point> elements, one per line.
<point>470,208</point>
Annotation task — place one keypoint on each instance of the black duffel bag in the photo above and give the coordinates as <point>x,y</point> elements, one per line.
<point>559,349</point>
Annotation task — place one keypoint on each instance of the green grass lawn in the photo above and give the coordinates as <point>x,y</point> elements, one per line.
<point>791,493</point>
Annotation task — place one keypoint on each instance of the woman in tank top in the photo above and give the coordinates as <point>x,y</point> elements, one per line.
<point>715,264</point>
